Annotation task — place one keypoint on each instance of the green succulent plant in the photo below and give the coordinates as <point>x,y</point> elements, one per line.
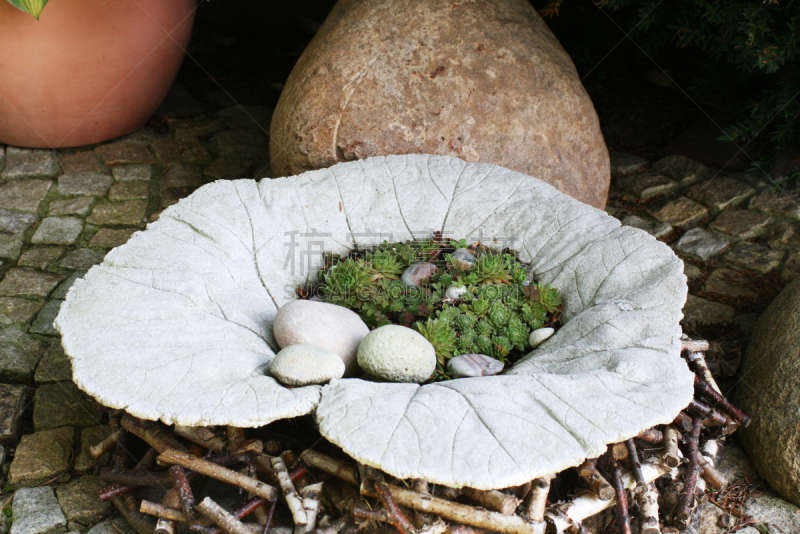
<point>464,322</point>
<point>483,328</point>
<point>347,282</point>
<point>480,307</point>
<point>499,314</point>
<point>493,268</point>
<point>441,335</point>
<point>385,263</point>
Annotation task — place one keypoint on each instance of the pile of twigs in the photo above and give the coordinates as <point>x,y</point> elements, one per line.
<point>659,474</point>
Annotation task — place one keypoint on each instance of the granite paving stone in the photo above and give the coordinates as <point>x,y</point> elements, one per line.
<point>193,127</point>
<point>18,311</point>
<point>728,282</point>
<point>183,175</point>
<point>684,170</point>
<point>82,259</point>
<point>41,456</point>
<point>71,206</point>
<point>654,228</point>
<point>784,233</point>
<point>646,184</point>
<point>112,526</point>
<point>240,144</point>
<point>20,282</point>
<point>61,291</point>
<point>251,118</point>
<point>40,257</point>
<point>754,257</point>
<point>741,223</point>
<point>11,246</point>
<point>129,191</point>
<point>84,183</point>
<point>121,153</point>
<point>15,222</point>
<point>79,501</point>
<point>58,231</point>
<point>680,212</point>
<point>110,237</point>
<point>791,269</point>
<point>775,516</point>
<point>54,365</point>
<point>720,192</point>
<point>143,137</point>
<point>130,212</point>
<point>622,163</point>
<point>62,404</point>
<point>43,324</point>
<point>785,205</point>
<point>36,511</point>
<point>692,272</point>
<point>19,356</point>
<point>228,169</point>
<point>703,312</point>
<point>31,166</point>
<point>12,402</point>
<point>91,436</point>
<point>132,173</point>
<point>24,195</point>
<point>170,151</point>
<point>701,244</point>
<point>80,162</point>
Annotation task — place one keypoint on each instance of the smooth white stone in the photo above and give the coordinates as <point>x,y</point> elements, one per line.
<point>471,365</point>
<point>301,365</point>
<point>454,292</point>
<point>540,335</point>
<point>397,353</point>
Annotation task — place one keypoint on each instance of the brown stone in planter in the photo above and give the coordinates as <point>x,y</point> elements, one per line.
<point>483,81</point>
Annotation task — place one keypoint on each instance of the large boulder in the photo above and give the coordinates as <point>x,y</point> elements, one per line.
<point>770,394</point>
<point>482,81</point>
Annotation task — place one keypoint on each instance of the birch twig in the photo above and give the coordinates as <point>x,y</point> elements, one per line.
<point>201,435</point>
<point>492,500</point>
<point>222,518</point>
<point>683,512</point>
<point>310,495</point>
<point>597,483</point>
<point>152,433</point>
<point>671,458</point>
<point>636,464</point>
<point>326,464</point>
<point>289,491</point>
<point>648,509</point>
<point>106,445</point>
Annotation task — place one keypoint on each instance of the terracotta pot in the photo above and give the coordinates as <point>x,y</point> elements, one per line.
<point>88,70</point>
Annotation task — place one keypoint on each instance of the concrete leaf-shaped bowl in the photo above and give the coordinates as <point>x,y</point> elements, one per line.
<point>176,324</point>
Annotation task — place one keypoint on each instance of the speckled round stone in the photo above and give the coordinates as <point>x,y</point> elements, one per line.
<point>471,365</point>
<point>301,365</point>
<point>324,325</point>
<point>397,353</point>
<point>417,272</point>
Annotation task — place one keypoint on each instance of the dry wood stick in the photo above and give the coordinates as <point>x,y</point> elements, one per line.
<point>294,502</point>
<point>326,464</point>
<point>243,511</point>
<point>596,482</point>
<point>118,459</point>
<point>165,526</point>
<point>622,499</point>
<point>202,436</point>
<point>704,389</point>
<point>126,506</point>
<point>671,458</point>
<point>713,417</point>
<point>114,491</point>
<point>694,345</point>
<point>683,422</point>
<point>618,451</point>
<point>162,511</point>
<point>311,495</point>
<point>648,510</point>
<point>152,433</point>
<point>492,500</point>
<point>683,511</point>
<point>106,445</point>
<point>221,517</point>
<point>184,490</point>
<point>435,527</point>
<point>651,435</point>
<point>460,513</point>
<point>636,464</point>
<point>383,515</point>
<point>708,455</point>
<point>389,503</point>
<point>217,472</point>
<point>537,499</point>
<point>587,505</point>
<point>234,436</point>
<point>252,528</point>
<point>136,477</point>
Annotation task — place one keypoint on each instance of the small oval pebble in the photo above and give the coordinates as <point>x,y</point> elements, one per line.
<point>468,365</point>
<point>454,292</point>
<point>539,335</point>
<point>301,365</point>
<point>417,272</point>
<point>397,353</point>
<point>463,255</point>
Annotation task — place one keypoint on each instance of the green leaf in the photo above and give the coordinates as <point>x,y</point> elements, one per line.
<point>34,7</point>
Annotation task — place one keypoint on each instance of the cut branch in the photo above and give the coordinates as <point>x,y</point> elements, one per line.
<point>386,498</point>
<point>492,500</point>
<point>137,478</point>
<point>537,499</point>
<point>289,491</point>
<point>704,389</point>
<point>596,482</point>
<point>636,464</point>
<point>310,495</point>
<point>184,490</point>
<point>152,433</point>
<point>651,435</point>
<point>671,457</point>
<point>326,464</point>
<point>202,436</point>
<point>106,445</point>
<point>683,511</point>
<point>621,498</point>
<point>648,509</point>
<point>127,507</point>
<point>222,518</point>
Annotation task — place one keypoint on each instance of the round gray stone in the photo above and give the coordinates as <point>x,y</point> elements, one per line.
<point>301,365</point>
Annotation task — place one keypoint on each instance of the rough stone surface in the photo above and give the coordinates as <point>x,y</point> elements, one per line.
<point>130,212</point>
<point>121,153</point>
<point>331,327</point>
<point>15,310</point>
<point>19,355</point>
<point>62,404</point>
<point>40,257</point>
<point>724,282</point>
<point>622,163</point>
<point>771,371</point>
<point>702,312</point>
<point>398,354</point>
<point>44,321</point>
<point>91,436</point>
<point>775,515</point>
<point>15,222</point>
<point>36,511</point>
<point>129,191</point>
<point>84,183</point>
<point>31,165</point>
<point>300,365</point>
<point>171,151</point>
<point>462,67</point>
<point>791,269</point>
<point>680,212</point>
<point>254,119</point>
<point>80,162</point>
<point>41,456</point>
<point>24,195</point>
<point>82,258</point>
<point>720,192</point>
<point>680,168</point>
<point>132,173</point>
<point>110,237</point>
<point>754,257</point>
<point>183,175</point>
<point>61,291</point>
<point>784,233</point>
<point>10,246</point>
<point>646,184</point>
<point>54,365</point>
<point>785,205</point>
<point>701,244</point>
<point>79,501</point>
<point>22,283</point>
<point>58,231</point>
<point>193,127</point>
<point>12,401</point>
<point>692,272</point>
<point>240,145</point>
<point>741,223</point>
<point>71,206</point>
<point>228,169</point>
<point>114,526</point>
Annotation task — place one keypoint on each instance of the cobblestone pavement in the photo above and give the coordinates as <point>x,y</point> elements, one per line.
<point>62,211</point>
